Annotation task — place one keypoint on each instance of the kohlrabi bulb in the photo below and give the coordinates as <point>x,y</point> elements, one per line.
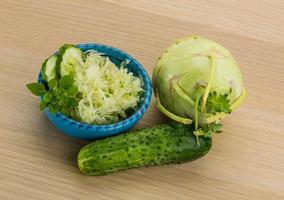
<point>196,67</point>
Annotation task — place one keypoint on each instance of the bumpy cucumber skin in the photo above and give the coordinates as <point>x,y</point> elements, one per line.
<point>159,145</point>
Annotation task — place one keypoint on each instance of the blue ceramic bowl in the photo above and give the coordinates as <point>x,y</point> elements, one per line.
<point>84,131</point>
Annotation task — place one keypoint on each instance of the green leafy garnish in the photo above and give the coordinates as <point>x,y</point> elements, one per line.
<point>208,130</point>
<point>62,96</point>
<point>217,103</point>
<point>37,89</point>
<point>66,82</point>
<point>52,83</point>
<point>42,105</point>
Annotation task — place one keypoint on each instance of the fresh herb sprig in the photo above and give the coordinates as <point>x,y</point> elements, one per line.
<point>208,130</point>
<point>59,95</point>
<point>216,103</point>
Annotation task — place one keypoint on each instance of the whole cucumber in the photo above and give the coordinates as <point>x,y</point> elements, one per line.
<point>159,145</point>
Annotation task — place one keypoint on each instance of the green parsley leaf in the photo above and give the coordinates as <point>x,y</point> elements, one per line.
<point>37,89</point>
<point>212,128</point>
<point>218,103</point>
<point>208,130</point>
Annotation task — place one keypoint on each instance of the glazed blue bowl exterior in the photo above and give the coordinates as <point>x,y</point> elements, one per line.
<point>84,131</point>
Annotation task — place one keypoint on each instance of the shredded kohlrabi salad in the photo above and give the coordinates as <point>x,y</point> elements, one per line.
<point>108,92</point>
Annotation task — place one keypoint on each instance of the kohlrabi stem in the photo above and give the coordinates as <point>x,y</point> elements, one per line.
<point>196,115</point>
<point>241,98</point>
<point>211,76</point>
<point>171,115</point>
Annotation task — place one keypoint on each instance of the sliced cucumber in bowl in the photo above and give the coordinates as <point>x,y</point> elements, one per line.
<point>70,57</point>
<point>49,68</point>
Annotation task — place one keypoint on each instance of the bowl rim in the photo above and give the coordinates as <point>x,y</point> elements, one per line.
<point>146,98</point>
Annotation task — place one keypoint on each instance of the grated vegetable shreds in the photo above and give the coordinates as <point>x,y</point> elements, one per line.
<point>107,91</point>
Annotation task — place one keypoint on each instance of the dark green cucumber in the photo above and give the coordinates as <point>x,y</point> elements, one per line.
<point>159,145</point>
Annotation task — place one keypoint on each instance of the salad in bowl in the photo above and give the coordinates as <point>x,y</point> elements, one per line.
<point>90,91</point>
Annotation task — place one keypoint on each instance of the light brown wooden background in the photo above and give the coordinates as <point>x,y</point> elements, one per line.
<point>246,161</point>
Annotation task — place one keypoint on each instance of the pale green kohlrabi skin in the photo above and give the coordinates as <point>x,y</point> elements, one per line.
<point>187,64</point>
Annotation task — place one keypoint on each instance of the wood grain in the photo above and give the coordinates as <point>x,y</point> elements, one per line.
<point>246,161</point>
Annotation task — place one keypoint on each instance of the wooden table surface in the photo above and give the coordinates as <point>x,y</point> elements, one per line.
<point>246,161</point>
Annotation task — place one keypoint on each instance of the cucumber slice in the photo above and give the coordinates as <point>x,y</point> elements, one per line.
<point>49,68</point>
<point>70,57</point>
